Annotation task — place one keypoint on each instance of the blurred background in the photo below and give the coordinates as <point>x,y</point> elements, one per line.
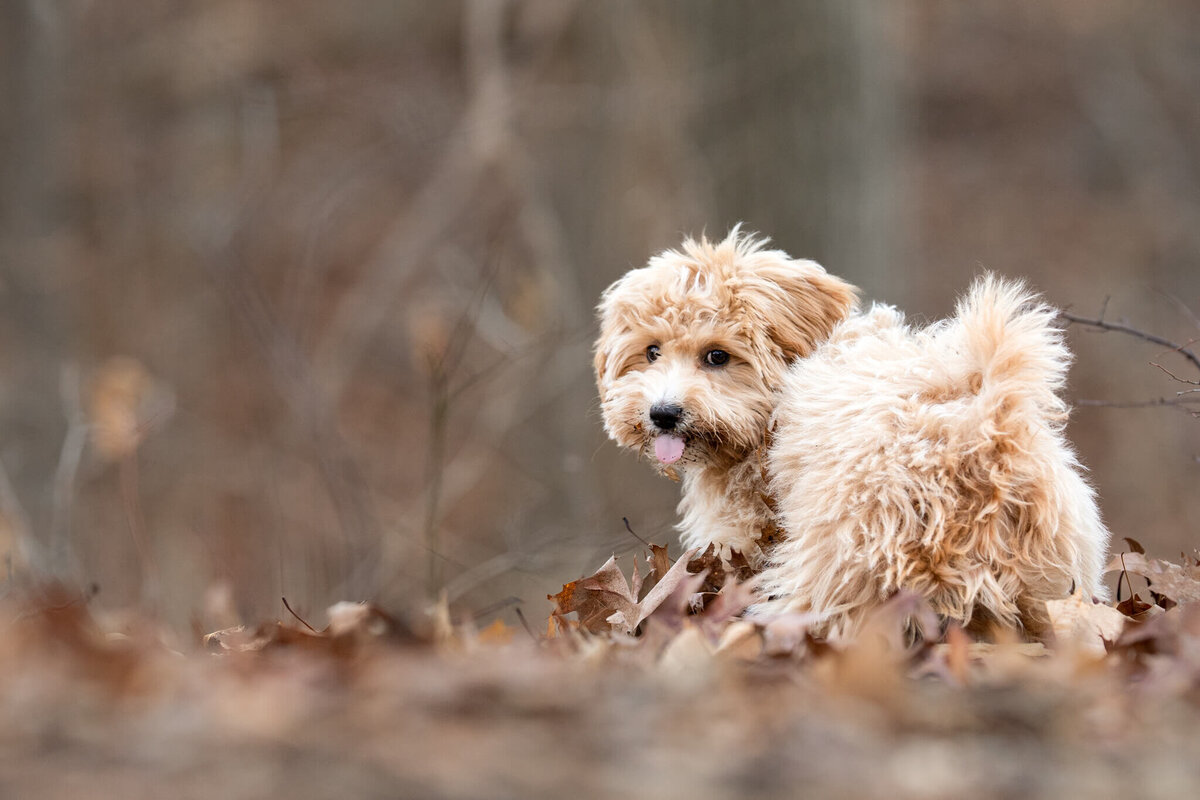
<point>296,297</point>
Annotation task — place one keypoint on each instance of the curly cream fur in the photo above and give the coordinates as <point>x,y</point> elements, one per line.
<point>930,460</point>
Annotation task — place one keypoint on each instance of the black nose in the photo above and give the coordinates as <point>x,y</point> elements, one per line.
<point>666,415</point>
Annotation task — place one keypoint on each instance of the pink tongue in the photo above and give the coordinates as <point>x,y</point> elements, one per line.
<point>668,448</point>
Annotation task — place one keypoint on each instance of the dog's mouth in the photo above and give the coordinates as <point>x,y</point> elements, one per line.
<point>693,446</point>
<point>668,447</point>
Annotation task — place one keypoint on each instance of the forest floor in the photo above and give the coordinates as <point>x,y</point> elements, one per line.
<point>693,703</point>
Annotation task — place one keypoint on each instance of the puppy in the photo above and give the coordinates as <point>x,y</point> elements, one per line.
<point>849,455</point>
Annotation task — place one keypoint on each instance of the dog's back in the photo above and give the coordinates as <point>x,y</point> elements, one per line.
<point>935,461</point>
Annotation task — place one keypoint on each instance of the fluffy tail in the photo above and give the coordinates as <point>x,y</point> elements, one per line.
<point>1012,341</point>
<point>1016,358</point>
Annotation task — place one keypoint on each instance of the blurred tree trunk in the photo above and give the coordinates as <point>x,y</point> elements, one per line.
<point>32,249</point>
<point>804,148</point>
<point>782,115</point>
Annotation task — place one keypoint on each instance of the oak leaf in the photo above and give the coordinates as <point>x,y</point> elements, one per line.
<point>606,600</point>
<point>1178,583</point>
<point>1089,626</point>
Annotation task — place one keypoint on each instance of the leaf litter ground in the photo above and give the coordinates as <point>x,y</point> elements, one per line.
<point>649,686</point>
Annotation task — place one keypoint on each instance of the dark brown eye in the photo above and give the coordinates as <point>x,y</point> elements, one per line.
<point>716,358</point>
<point>652,353</point>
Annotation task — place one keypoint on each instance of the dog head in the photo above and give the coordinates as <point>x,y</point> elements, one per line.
<point>694,346</point>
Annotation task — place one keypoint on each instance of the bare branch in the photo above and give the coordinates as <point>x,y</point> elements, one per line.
<point>1100,324</point>
<point>1174,376</point>
<point>1151,403</point>
<point>297,616</point>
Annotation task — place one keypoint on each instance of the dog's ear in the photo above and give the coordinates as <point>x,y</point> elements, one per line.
<point>600,361</point>
<point>804,302</point>
<point>615,332</point>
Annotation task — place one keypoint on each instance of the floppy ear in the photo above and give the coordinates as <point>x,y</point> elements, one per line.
<point>602,356</point>
<point>615,331</point>
<point>803,303</point>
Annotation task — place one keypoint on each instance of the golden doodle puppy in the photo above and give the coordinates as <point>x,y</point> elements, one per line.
<point>845,453</point>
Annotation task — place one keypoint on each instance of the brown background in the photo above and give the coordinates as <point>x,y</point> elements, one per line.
<point>295,297</point>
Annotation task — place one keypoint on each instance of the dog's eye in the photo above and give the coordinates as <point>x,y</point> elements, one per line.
<point>716,358</point>
<point>652,353</point>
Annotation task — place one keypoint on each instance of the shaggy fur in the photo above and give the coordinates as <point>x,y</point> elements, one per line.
<point>880,457</point>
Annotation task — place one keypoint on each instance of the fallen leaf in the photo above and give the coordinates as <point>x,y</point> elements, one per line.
<point>1077,621</point>
<point>662,590</point>
<point>1136,608</point>
<point>606,600</point>
<point>734,598</point>
<point>365,621</point>
<point>1181,584</point>
<point>1163,633</point>
<point>719,569</point>
<point>235,639</point>
<point>596,598</point>
<point>659,563</point>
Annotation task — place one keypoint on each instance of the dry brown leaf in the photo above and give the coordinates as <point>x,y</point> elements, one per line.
<point>1137,609</point>
<point>719,569</point>
<point>1181,584</point>
<point>734,598</point>
<point>271,635</point>
<point>683,599</point>
<point>1080,623</point>
<point>606,600</point>
<point>365,621</point>
<point>659,560</point>
<point>1163,633</point>
<point>659,563</point>
<point>667,586</point>
<point>635,582</point>
<point>1134,545</point>
<point>238,639</point>
<point>350,626</point>
<point>596,598</point>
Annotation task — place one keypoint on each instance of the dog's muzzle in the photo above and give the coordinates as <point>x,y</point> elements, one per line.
<point>668,447</point>
<point>666,416</point>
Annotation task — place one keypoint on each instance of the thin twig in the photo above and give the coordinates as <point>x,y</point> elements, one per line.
<point>525,624</point>
<point>629,528</point>
<point>1125,575</point>
<point>1173,375</point>
<point>297,616</point>
<point>1152,403</point>
<point>1100,324</point>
